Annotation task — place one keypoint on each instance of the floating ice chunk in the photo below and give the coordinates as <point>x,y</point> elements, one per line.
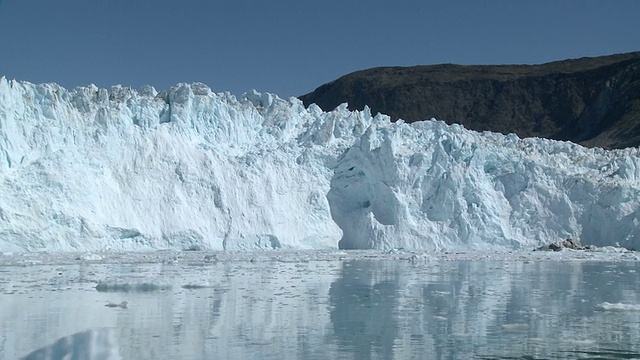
<point>611,249</point>
<point>605,306</point>
<point>128,287</point>
<point>515,327</point>
<point>89,257</point>
<point>122,305</point>
<point>195,286</point>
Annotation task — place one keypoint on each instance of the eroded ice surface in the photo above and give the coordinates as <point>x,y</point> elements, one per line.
<point>92,169</point>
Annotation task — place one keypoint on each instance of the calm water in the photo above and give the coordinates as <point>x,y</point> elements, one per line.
<point>351,309</point>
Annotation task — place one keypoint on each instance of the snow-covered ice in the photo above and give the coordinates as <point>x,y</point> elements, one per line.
<point>92,169</point>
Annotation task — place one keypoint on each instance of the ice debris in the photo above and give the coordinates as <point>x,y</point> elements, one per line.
<point>605,306</point>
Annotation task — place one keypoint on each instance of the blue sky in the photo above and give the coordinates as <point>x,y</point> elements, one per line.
<point>291,47</point>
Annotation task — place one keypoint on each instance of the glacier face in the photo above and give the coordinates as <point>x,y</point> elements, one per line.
<point>98,170</point>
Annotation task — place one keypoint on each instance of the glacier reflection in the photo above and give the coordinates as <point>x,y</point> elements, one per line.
<point>93,344</point>
<point>356,309</point>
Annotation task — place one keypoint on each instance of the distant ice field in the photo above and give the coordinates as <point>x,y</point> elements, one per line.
<point>297,256</point>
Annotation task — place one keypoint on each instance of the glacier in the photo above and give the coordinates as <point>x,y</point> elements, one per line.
<point>92,169</point>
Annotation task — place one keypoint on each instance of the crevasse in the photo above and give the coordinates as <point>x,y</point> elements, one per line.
<point>91,169</point>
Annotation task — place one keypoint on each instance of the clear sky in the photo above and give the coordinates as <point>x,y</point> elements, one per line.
<point>291,47</point>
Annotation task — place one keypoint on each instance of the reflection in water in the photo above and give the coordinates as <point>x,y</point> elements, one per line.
<point>467,309</point>
<point>95,344</point>
<point>358,309</point>
<point>363,303</point>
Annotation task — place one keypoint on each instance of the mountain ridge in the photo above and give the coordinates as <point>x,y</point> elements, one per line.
<point>593,101</point>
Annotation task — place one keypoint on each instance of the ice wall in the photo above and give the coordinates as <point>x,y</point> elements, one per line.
<point>91,169</point>
<point>432,186</point>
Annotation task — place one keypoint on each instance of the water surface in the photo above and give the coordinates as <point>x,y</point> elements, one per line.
<point>345,308</point>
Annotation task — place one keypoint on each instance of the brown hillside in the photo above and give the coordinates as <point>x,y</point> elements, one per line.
<point>592,101</point>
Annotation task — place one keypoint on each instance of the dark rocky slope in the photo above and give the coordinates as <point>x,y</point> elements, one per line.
<point>591,101</point>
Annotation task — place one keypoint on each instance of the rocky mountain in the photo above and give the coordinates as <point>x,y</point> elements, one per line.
<point>591,101</point>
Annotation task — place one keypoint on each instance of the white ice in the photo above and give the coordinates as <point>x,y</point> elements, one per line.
<point>605,306</point>
<point>101,170</point>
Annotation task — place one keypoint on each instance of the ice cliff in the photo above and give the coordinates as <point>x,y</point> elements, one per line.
<point>92,169</point>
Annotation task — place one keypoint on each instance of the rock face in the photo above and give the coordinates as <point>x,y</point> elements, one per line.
<point>591,101</point>
<point>573,244</point>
